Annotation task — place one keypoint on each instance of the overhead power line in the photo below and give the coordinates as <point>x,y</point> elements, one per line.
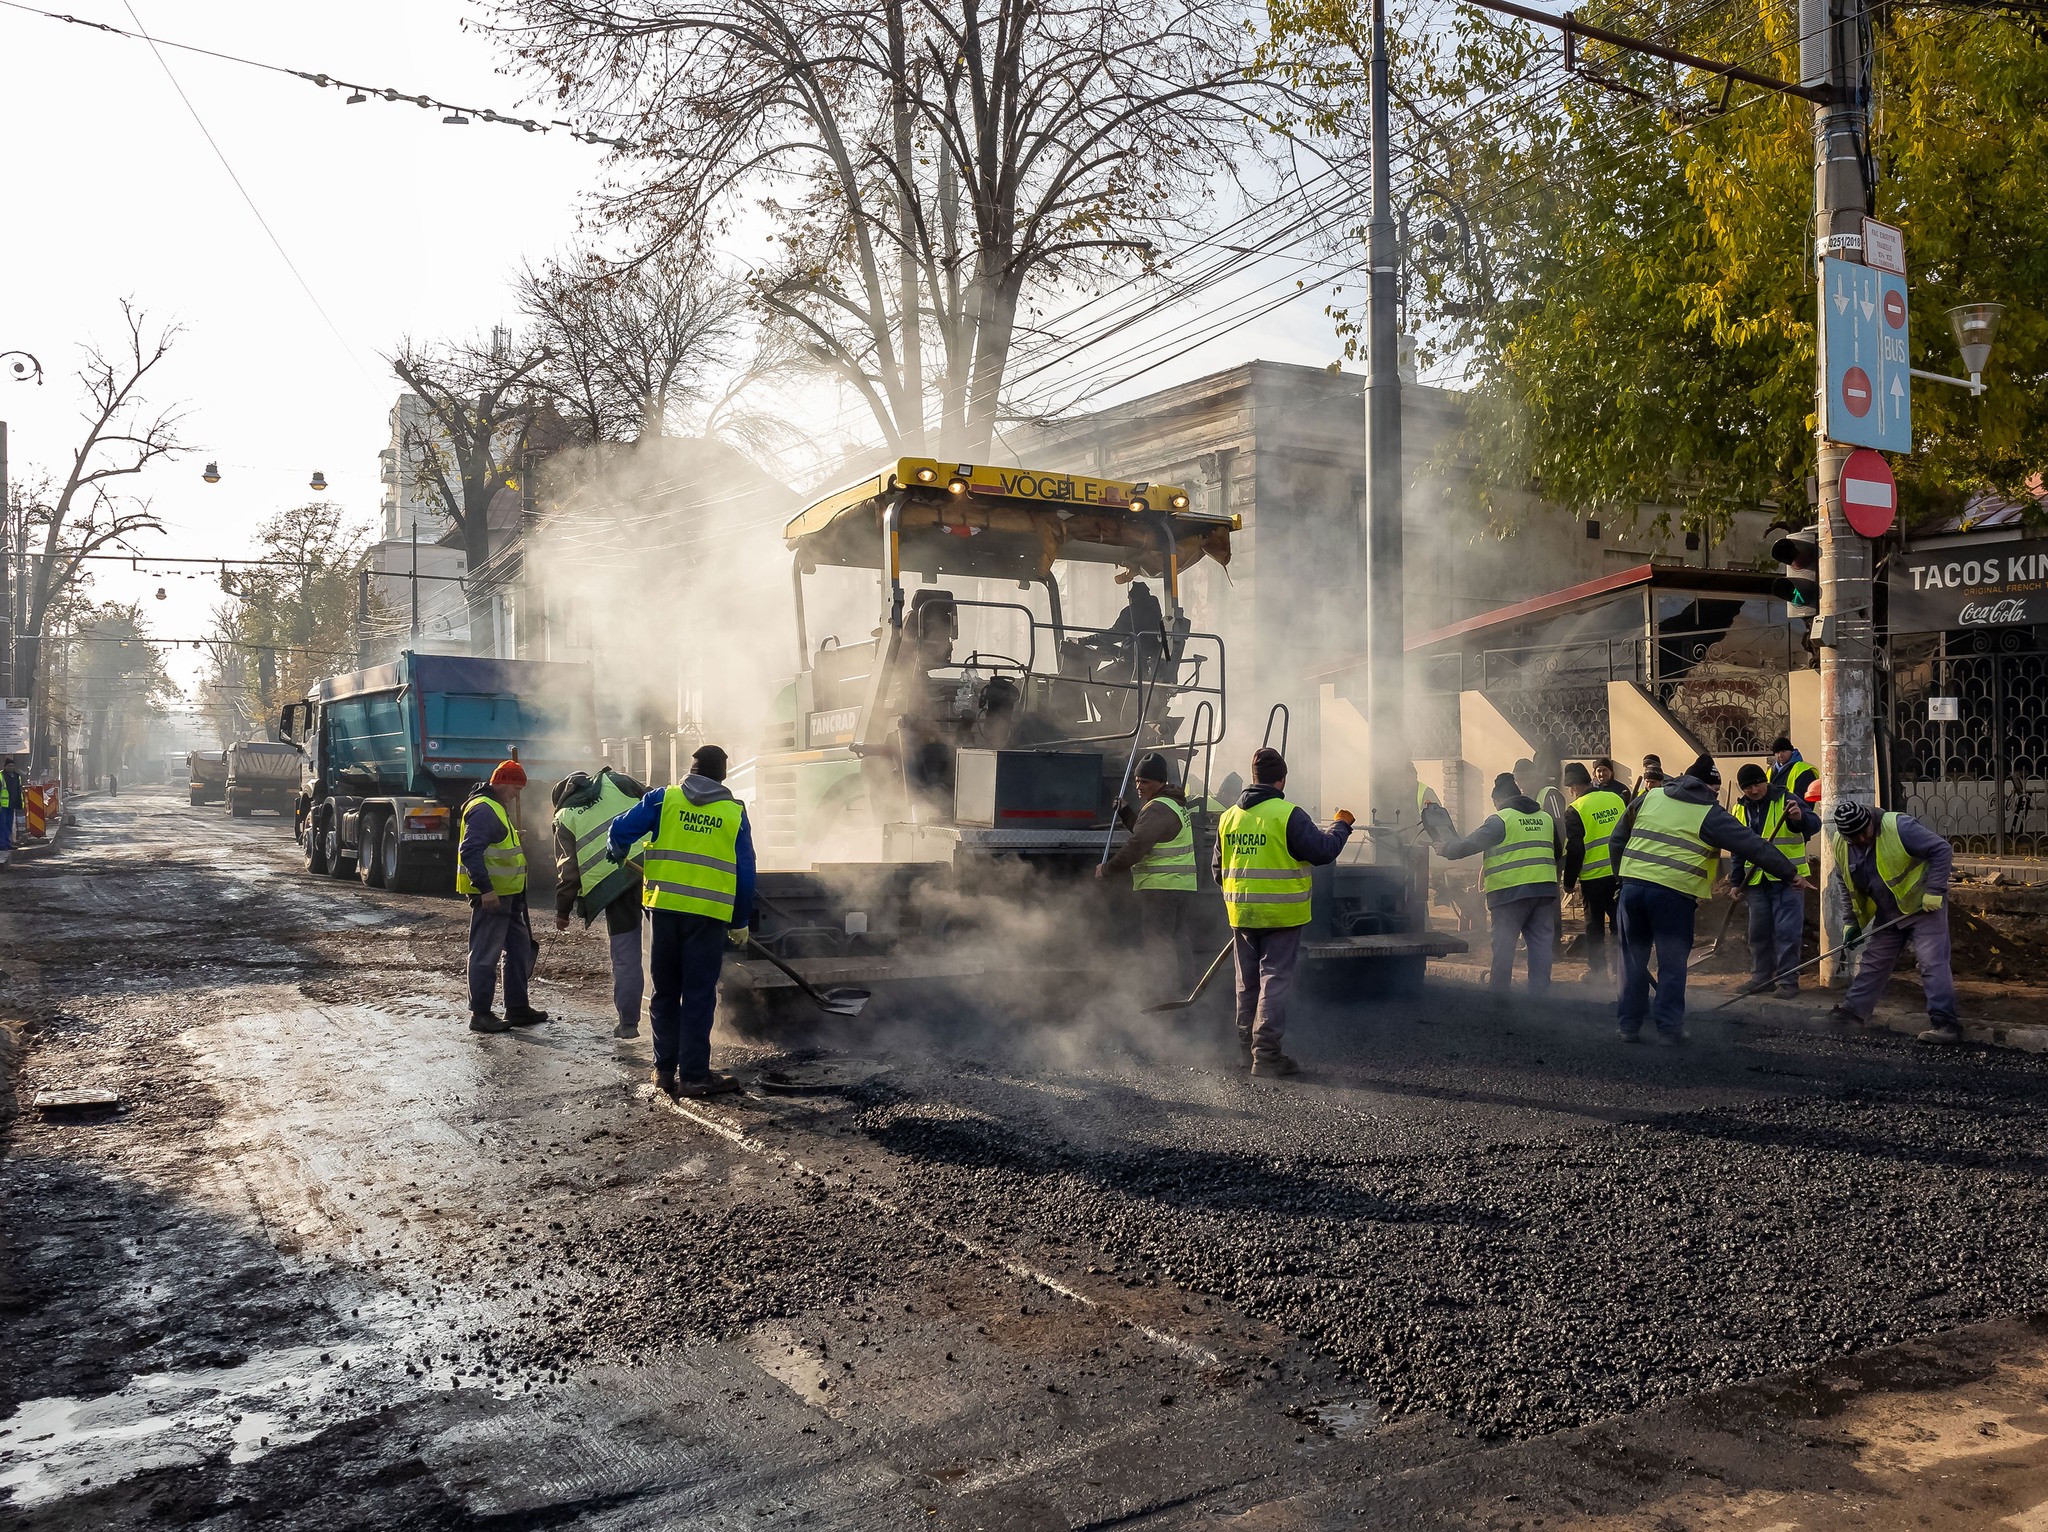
<point>458,116</point>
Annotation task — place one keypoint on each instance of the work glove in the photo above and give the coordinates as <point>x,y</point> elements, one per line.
<point>1852,935</point>
<point>1931,901</point>
<point>737,935</point>
<point>614,853</point>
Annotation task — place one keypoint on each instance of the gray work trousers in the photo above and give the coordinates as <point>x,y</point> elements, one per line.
<point>1265,976</point>
<point>1777,925</point>
<point>629,983</point>
<point>1166,923</point>
<point>1533,922</point>
<point>493,934</point>
<point>1928,932</point>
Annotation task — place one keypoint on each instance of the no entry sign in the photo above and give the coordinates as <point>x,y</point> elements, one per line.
<point>1870,495</point>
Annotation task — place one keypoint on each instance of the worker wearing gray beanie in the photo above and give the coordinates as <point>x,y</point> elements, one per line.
<point>1895,872</point>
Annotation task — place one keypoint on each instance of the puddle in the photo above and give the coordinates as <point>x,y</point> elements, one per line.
<point>52,1448</point>
<point>1346,1419</point>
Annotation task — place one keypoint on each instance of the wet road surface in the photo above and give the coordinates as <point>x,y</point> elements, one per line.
<point>342,1263</point>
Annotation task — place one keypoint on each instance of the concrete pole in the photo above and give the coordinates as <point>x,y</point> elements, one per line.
<point>1393,807</point>
<point>6,550</point>
<point>1848,765</point>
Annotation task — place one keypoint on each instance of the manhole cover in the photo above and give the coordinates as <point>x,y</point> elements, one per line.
<point>815,1077</point>
<point>77,1098</point>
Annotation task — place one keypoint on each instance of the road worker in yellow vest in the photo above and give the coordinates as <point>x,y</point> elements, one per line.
<point>490,867</point>
<point>1524,850</point>
<point>1667,850</point>
<point>589,883</point>
<point>698,891</point>
<point>1160,858</point>
<point>1264,849</point>
<point>1777,911</point>
<point>1896,874</point>
<point>1597,805</point>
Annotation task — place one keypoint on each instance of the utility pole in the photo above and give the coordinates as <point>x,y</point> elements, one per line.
<point>1833,37</point>
<point>415,582</point>
<point>6,549</point>
<point>1392,808</point>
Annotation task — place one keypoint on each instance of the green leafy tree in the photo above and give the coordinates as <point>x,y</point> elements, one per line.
<point>1640,333</point>
<point>288,622</point>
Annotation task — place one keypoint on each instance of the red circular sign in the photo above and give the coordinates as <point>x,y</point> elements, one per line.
<point>1895,308</point>
<point>1856,391</point>
<point>1870,495</point>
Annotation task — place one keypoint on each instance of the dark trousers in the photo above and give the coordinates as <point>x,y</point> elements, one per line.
<point>1533,923</point>
<point>503,932</point>
<point>1166,921</point>
<point>1265,976</point>
<point>1655,921</point>
<point>1777,922</point>
<point>683,959</point>
<point>1601,897</point>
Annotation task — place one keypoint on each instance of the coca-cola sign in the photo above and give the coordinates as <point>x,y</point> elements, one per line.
<point>1986,585</point>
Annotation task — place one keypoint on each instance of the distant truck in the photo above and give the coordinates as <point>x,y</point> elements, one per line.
<point>207,776</point>
<point>263,774</point>
<point>391,753</point>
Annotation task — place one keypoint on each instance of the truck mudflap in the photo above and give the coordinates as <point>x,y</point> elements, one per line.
<point>1393,944</point>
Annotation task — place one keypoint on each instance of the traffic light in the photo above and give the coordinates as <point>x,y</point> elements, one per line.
<point>1799,588</point>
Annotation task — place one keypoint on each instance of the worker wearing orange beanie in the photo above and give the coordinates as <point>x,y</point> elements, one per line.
<point>491,870</point>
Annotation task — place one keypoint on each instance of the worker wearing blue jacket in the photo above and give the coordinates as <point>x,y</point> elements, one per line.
<point>698,891</point>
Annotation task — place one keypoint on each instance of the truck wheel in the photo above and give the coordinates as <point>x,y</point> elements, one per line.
<point>198,797</point>
<point>372,864</point>
<point>402,874</point>
<point>316,846</point>
<point>339,863</point>
<point>238,805</point>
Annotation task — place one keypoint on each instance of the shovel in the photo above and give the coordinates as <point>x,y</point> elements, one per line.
<point>1182,1005</point>
<point>1751,989</point>
<point>844,1001</point>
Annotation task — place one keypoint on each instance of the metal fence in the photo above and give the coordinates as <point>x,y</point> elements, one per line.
<point>1982,779</point>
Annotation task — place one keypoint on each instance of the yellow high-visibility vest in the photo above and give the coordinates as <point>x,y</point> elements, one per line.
<point>1263,885</point>
<point>1170,865</point>
<point>1527,856</point>
<point>1664,845</point>
<point>504,861</point>
<point>1903,873</point>
<point>1780,832</point>
<point>1598,813</point>
<point>692,864</point>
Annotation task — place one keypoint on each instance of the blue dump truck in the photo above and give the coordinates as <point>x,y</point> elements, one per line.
<point>391,753</point>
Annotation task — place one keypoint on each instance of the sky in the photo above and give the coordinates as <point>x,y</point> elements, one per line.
<point>398,224</point>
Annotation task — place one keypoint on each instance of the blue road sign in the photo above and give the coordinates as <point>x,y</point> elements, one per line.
<point>1870,387</point>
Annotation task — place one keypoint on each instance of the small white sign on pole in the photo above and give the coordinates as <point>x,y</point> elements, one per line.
<point>1884,246</point>
<point>13,726</point>
<point>1944,710</point>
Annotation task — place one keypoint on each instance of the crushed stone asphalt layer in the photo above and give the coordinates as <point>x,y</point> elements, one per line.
<point>338,1262</point>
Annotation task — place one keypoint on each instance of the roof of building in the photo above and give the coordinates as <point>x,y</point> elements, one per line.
<point>1720,582</point>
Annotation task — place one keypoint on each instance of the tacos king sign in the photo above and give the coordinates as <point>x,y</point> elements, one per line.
<point>1998,585</point>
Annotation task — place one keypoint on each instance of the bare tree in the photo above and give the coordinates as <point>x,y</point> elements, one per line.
<point>930,163</point>
<point>482,400</point>
<point>81,514</point>
<point>638,350</point>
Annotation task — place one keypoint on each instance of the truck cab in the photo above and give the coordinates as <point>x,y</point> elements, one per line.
<point>392,753</point>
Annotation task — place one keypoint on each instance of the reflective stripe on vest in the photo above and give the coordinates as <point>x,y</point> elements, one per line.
<point>1664,845</point>
<point>1784,836</point>
<point>692,865</point>
<point>1903,873</point>
<point>1797,775</point>
<point>1263,885</point>
<point>1527,856</point>
<point>1598,813</point>
<point>590,825</point>
<point>1170,864</point>
<point>504,861</point>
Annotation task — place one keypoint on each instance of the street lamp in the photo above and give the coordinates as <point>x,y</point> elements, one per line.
<point>318,481</point>
<point>212,473</point>
<point>1975,326</point>
<point>24,367</point>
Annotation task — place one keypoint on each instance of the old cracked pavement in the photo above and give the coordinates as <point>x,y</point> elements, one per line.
<point>340,1263</point>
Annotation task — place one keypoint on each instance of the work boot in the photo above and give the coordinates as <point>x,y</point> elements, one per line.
<point>1274,1065</point>
<point>628,1027</point>
<point>1942,1032</point>
<point>1245,1054</point>
<point>1841,1019</point>
<point>709,1083</point>
<point>665,1082</point>
<point>488,1021</point>
<point>1631,1037</point>
<point>1677,1039</point>
<point>525,1016</point>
